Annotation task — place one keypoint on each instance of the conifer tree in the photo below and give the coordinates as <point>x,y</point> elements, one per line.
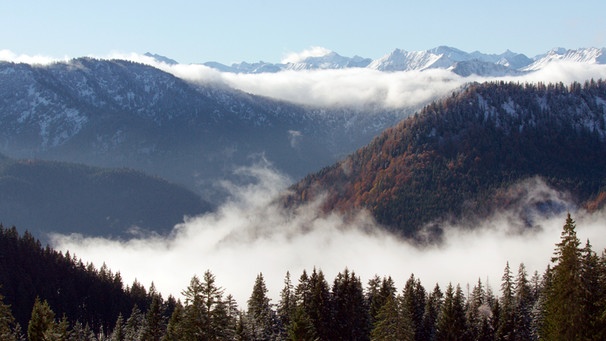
<point>154,325</point>
<point>175,326</point>
<point>452,324</point>
<point>564,310</point>
<point>205,314</point>
<point>7,322</point>
<point>118,332</point>
<point>413,300</point>
<point>479,314</point>
<point>594,293</point>
<point>320,305</point>
<point>378,291</point>
<point>134,324</point>
<point>349,308</point>
<point>373,298</point>
<point>62,330</point>
<point>259,314</point>
<point>524,302</point>
<point>505,329</point>
<point>42,323</point>
<point>286,306</point>
<point>433,305</point>
<point>234,316</point>
<point>394,322</point>
<point>301,326</point>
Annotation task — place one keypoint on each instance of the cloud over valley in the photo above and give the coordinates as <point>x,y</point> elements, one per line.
<point>251,233</point>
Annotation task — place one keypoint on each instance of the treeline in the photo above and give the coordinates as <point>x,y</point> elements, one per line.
<point>77,291</point>
<point>566,302</point>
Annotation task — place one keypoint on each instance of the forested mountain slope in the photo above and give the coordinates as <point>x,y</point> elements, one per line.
<point>79,292</point>
<point>50,196</point>
<point>462,155</point>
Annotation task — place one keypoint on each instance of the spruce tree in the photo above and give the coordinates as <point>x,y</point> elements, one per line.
<point>118,332</point>
<point>478,314</point>
<point>205,313</point>
<point>505,329</point>
<point>259,314</point>
<point>394,322</point>
<point>378,292</point>
<point>594,293</point>
<point>350,314</point>
<point>452,324</point>
<point>7,321</point>
<point>155,325</point>
<point>433,305</point>
<point>42,323</point>
<point>134,324</point>
<point>320,304</point>
<point>286,306</point>
<point>176,325</point>
<point>524,301</point>
<point>564,309</point>
<point>413,300</point>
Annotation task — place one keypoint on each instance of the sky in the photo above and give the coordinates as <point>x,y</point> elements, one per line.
<point>231,31</point>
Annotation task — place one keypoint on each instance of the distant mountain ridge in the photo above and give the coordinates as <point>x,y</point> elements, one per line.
<point>442,57</point>
<point>46,196</point>
<point>117,113</point>
<point>473,153</point>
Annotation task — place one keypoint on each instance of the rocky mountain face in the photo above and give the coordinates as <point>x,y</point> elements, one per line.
<point>116,113</point>
<point>466,156</point>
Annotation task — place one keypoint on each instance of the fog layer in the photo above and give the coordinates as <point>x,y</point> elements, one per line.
<point>250,234</point>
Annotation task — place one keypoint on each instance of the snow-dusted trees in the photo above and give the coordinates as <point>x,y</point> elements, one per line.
<point>260,317</point>
<point>574,304</point>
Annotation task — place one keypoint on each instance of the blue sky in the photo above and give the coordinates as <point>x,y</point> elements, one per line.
<point>236,30</point>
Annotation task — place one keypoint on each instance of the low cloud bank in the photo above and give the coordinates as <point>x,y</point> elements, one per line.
<point>251,234</point>
<point>9,56</point>
<point>353,87</point>
<point>367,88</point>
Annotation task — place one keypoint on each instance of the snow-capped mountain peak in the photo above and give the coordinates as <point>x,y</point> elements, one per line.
<point>590,55</point>
<point>441,57</point>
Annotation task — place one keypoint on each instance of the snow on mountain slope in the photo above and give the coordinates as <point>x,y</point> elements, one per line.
<point>329,60</point>
<point>507,63</point>
<point>587,55</point>
<point>117,113</point>
<point>444,57</point>
<point>400,60</point>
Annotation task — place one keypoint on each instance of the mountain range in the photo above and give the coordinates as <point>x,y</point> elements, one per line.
<point>116,113</point>
<point>442,57</point>
<point>119,114</point>
<point>484,149</point>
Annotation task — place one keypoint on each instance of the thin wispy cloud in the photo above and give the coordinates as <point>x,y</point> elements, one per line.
<point>314,51</point>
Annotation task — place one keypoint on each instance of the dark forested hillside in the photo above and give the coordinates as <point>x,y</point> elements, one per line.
<point>92,296</point>
<point>462,154</point>
<point>47,196</point>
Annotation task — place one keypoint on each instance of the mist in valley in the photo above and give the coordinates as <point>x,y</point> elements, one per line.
<point>253,233</point>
